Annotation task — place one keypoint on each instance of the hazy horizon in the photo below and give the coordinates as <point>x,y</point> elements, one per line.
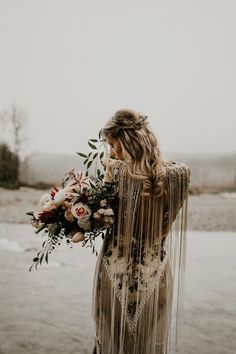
<point>70,64</point>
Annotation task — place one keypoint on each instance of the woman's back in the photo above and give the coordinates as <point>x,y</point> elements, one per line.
<point>133,288</point>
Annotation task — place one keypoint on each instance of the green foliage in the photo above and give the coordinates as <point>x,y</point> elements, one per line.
<point>81,154</point>
<point>97,154</point>
<point>53,240</point>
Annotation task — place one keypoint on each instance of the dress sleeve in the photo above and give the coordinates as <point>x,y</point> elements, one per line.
<point>178,180</point>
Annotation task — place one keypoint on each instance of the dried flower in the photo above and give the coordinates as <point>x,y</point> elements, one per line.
<point>108,221</point>
<point>77,237</point>
<point>49,206</point>
<point>103,203</point>
<point>43,200</point>
<point>68,214</point>
<point>105,212</point>
<point>97,216</point>
<point>47,217</point>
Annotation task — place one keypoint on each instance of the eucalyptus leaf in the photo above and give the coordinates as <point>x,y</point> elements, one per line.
<point>94,147</point>
<point>95,155</point>
<point>94,140</point>
<point>30,268</point>
<point>41,258</point>
<point>81,154</point>
<point>36,265</point>
<point>89,164</point>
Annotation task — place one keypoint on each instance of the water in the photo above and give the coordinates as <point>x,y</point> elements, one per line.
<point>49,310</point>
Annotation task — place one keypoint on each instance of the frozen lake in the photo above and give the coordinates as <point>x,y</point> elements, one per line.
<point>49,310</point>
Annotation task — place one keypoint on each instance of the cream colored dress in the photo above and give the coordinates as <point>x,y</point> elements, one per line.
<point>134,277</point>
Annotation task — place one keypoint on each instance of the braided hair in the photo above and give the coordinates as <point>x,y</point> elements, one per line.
<point>140,149</point>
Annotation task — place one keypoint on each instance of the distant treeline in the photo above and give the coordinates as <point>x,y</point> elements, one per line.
<point>209,172</point>
<point>9,167</point>
<point>12,138</point>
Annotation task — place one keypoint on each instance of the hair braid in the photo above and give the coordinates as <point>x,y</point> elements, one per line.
<point>140,149</point>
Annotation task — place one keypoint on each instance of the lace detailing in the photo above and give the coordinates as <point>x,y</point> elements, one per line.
<point>149,284</point>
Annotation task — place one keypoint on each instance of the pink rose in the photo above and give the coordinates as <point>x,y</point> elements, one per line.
<point>82,212</point>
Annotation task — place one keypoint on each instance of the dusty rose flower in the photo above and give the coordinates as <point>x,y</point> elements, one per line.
<point>68,214</point>
<point>66,204</point>
<point>97,216</point>
<point>82,212</point>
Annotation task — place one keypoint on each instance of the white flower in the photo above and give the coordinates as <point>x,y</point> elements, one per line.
<point>49,206</point>
<point>103,203</point>
<point>60,197</point>
<point>105,212</point>
<point>43,200</point>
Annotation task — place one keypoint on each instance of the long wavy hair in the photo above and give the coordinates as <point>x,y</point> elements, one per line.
<point>140,149</point>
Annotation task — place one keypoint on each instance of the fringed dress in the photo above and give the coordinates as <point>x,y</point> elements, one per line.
<point>139,264</point>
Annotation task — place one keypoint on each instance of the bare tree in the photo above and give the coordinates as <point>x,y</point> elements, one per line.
<point>12,138</point>
<point>2,127</point>
<point>13,123</point>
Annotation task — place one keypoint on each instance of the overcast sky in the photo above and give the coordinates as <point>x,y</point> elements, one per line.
<point>70,64</point>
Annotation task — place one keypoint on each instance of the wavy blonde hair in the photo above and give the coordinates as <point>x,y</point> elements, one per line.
<point>140,149</point>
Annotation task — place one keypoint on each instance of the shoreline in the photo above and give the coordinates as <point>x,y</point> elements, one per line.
<point>206,211</point>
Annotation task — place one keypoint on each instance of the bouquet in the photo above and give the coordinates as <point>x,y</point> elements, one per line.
<point>81,209</point>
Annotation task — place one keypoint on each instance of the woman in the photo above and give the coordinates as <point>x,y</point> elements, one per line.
<point>134,278</point>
